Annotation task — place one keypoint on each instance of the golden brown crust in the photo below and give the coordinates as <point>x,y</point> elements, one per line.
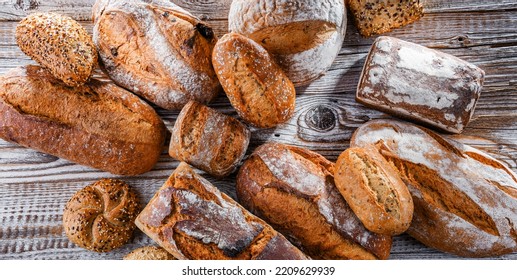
<point>293,189</point>
<point>97,124</point>
<point>374,190</point>
<point>59,44</point>
<point>257,88</point>
<point>100,217</point>
<point>149,253</point>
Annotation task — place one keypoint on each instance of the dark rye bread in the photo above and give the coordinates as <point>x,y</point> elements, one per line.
<point>192,219</point>
<point>97,124</point>
<point>293,190</point>
<point>465,201</point>
<point>208,140</point>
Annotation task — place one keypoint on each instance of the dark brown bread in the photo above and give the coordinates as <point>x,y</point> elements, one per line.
<point>293,190</point>
<point>149,253</point>
<point>100,217</point>
<point>465,201</point>
<point>192,219</point>
<point>208,140</point>
<point>97,124</point>
<point>156,50</point>
<point>257,88</point>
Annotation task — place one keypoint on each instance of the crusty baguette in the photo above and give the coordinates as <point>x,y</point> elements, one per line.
<point>97,124</point>
<point>192,219</point>
<point>293,190</point>
<point>465,201</point>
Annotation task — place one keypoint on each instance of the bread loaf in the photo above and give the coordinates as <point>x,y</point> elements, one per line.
<point>59,44</point>
<point>420,84</point>
<point>374,190</point>
<point>465,201</point>
<point>304,36</point>
<point>149,253</point>
<point>100,217</point>
<point>208,140</point>
<point>156,50</point>
<point>192,219</point>
<point>256,87</point>
<point>97,124</point>
<point>293,190</point>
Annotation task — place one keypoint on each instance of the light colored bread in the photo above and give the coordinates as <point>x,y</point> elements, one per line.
<point>374,190</point>
<point>156,50</point>
<point>149,253</point>
<point>293,190</point>
<point>192,219</point>
<point>59,44</point>
<point>376,17</point>
<point>465,201</point>
<point>97,124</point>
<point>257,88</point>
<point>208,140</point>
<point>304,36</point>
<point>100,217</point>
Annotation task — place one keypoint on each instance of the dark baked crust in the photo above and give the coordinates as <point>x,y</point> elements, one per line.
<point>97,124</point>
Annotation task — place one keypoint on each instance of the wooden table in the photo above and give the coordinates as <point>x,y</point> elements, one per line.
<point>34,187</point>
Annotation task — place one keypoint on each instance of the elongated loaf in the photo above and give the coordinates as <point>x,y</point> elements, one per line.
<point>192,219</point>
<point>293,190</point>
<point>304,36</point>
<point>97,124</point>
<point>156,50</point>
<point>465,201</point>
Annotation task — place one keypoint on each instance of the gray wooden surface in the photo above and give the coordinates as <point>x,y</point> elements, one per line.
<point>34,187</point>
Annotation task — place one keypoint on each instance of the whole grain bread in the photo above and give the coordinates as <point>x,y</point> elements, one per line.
<point>97,124</point>
<point>149,253</point>
<point>192,219</point>
<point>465,202</point>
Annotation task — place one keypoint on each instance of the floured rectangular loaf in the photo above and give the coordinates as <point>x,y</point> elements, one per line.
<point>420,84</point>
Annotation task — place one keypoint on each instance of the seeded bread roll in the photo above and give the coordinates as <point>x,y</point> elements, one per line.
<point>374,190</point>
<point>59,44</point>
<point>97,124</point>
<point>257,88</point>
<point>208,140</point>
<point>156,50</point>
<point>377,17</point>
<point>293,190</point>
<point>304,36</point>
<point>465,201</point>
<point>149,253</point>
<point>100,217</point>
<point>192,219</point>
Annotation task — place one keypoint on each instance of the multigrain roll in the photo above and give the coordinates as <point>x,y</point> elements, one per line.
<point>156,50</point>
<point>257,88</point>
<point>192,219</point>
<point>304,36</point>
<point>293,190</point>
<point>208,140</point>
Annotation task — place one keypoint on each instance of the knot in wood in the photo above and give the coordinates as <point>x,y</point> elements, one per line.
<point>321,118</point>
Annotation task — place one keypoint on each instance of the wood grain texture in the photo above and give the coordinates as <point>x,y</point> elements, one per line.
<point>34,187</point>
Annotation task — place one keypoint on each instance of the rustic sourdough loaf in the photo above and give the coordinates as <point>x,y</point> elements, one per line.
<point>293,190</point>
<point>257,88</point>
<point>192,219</point>
<point>304,36</point>
<point>465,201</point>
<point>156,50</point>
<point>149,253</point>
<point>97,124</point>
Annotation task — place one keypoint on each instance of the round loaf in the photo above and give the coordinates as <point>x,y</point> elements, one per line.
<point>149,253</point>
<point>374,191</point>
<point>101,216</point>
<point>59,44</point>
<point>304,36</point>
<point>256,87</point>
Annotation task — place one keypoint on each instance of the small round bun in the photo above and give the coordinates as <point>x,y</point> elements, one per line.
<point>100,217</point>
<point>149,253</point>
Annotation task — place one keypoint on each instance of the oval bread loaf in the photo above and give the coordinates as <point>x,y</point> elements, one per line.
<point>97,124</point>
<point>60,44</point>
<point>374,190</point>
<point>304,36</point>
<point>465,202</point>
<point>256,87</point>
